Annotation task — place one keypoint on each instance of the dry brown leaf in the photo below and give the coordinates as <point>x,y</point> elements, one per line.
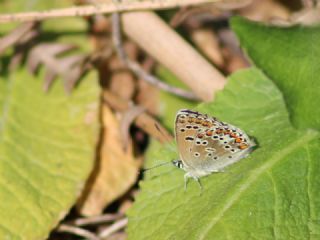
<point>16,36</point>
<point>123,84</point>
<point>118,236</point>
<point>116,171</point>
<point>308,16</point>
<point>22,44</point>
<point>234,61</point>
<point>144,121</point>
<point>69,68</point>
<point>265,10</point>
<point>148,95</point>
<point>232,5</point>
<point>206,40</point>
<point>121,76</point>
<point>234,58</point>
<point>126,204</point>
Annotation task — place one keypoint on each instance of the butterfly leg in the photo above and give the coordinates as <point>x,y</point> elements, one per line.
<point>186,178</point>
<point>199,182</point>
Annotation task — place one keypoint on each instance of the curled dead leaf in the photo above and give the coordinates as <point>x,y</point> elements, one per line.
<point>69,68</point>
<point>16,36</point>
<point>116,170</point>
<point>129,116</point>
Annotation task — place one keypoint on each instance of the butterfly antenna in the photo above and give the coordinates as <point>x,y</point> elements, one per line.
<point>166,136</point>
<point>168,139</point>
<point>156,166</point>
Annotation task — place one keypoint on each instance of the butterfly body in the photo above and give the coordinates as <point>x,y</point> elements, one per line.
<point>207,145</point>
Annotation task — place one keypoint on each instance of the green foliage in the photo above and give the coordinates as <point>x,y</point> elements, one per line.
<point>47,141</point>
<point>272,194</point>
<point>47,151</point>
<point>289,56</point>
<point>16,6</point>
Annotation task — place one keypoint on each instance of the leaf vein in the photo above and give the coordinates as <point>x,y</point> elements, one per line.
<point>309,135</point>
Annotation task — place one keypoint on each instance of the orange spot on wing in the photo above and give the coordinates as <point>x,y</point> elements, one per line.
<point>233,135</point>
<point>243,146</point>
<point>209,133</point>
<point>218,131</point>
<point>191,120</point>
<point>198,121</point>
<point>200,135</point>
<point>205,123</point>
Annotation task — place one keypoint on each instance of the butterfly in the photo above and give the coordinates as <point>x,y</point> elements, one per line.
<point>207,145</point>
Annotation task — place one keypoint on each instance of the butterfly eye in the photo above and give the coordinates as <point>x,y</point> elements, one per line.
<point>178,163</point>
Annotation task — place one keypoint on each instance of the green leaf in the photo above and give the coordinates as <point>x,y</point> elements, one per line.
<point>272,194</point>
<point>289,56</point>
<point>8,6</point>
<point>47,143</point>
<point>47,140</point>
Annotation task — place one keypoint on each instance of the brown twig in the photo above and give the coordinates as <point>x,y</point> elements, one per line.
<point>105,218</point>
<point>77,231</point>
<point>144,121</point>
<point>309,3</point>
<point>167,47</point>
<point>113,228</point>
<point>137,69</point>
<point>104,8</point>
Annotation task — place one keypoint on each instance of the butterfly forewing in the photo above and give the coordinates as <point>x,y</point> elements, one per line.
<point>184,136</point>
<point>206,144</point>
